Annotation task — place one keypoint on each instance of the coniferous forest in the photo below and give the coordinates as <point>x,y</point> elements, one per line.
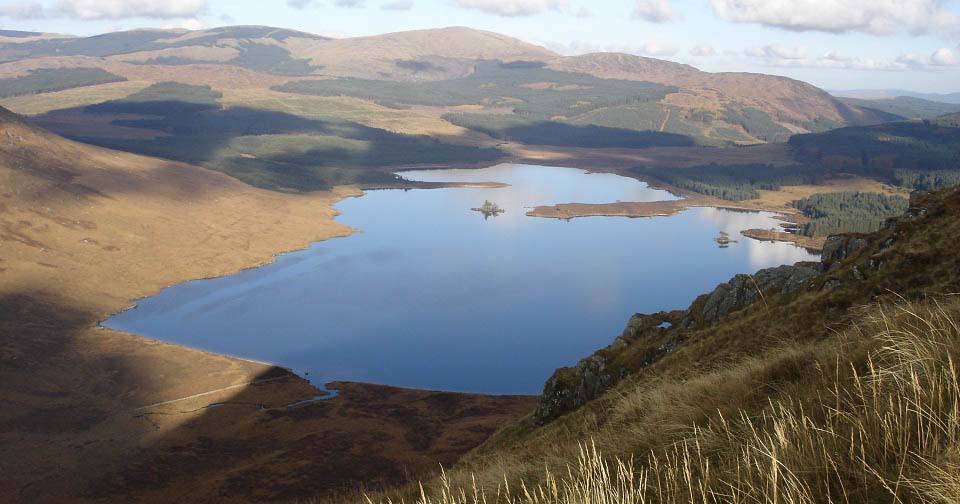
<point>846,212</point>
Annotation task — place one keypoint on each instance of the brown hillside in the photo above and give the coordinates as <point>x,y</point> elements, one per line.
<point>258,58</point>
<point>95,415</point>
<point>780,96</point>
<point>377,56</point>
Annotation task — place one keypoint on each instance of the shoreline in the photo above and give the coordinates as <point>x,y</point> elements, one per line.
<point>120,228</point>
<point>814,243</point>
<point>176,223</point>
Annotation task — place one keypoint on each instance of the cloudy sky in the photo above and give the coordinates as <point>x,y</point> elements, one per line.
<point>835,44</point>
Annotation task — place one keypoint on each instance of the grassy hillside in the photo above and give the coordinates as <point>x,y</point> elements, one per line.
<point>528,88</point>
<point>91,414</point>
<point>450,67</point>
<point>833,383</point>
<point>264,148</point>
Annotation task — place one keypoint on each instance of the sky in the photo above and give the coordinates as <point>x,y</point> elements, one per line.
<point>834,44</point>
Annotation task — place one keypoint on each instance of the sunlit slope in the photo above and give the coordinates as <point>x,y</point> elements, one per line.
<point>707,108</point>
<point>821,382</point>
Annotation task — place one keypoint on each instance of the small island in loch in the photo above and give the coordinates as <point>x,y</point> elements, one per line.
<point>724,239</point>
<point>489,209</point>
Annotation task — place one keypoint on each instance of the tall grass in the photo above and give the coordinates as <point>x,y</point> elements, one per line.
<point>881,423</point>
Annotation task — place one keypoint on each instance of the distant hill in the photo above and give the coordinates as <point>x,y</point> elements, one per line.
<point>904,107</point>
<point>705,108</point>
<point>418,55</point>
<point>913,154</point>
<point>880,94</point>
<point>18,34</point>
<point>766,107</point>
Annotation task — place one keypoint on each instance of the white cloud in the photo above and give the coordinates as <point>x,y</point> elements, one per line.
<point>776,52</point>
<point>584,13</point>
<point>655,11</point>
<point>194,24</point>
<point>513,8</point>
<point>944,57</point>
<point>651,49</point>
<point>879,17</point>
<point>656,49</point>
<point>299,4</point>
<point>350,4</point>
<point>910,60</point>
<point>701,51</point>
<point>22,10</point>
<point>119,9</point>
<point>398,5</point>
<point>786,57</point>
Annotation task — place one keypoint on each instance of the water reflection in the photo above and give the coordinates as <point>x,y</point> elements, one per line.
<point>431,295</point>
<point>760,254</point>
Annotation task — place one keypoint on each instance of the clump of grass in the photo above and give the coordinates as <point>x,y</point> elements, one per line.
<point>880,423</point>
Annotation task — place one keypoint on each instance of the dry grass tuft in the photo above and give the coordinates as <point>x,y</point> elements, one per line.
<point>875,419</point>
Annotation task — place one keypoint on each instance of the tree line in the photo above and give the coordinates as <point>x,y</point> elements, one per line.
<point>846,212</point>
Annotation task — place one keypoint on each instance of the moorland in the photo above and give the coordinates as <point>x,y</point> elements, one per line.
<point>135,160</point>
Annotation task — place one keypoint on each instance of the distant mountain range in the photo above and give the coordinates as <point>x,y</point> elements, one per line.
<point>881,94</point>
<point>397,69</point>
<point>904,107</point>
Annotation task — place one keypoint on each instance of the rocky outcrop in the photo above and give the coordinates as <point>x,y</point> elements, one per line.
<point>648,338</point>
<point>837,248</point>
<point>645,340</point>
<point>744,290</point>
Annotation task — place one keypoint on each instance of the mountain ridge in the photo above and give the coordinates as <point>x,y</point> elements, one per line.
<point>716,108</point>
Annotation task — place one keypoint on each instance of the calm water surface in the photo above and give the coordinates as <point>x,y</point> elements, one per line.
<point>432,295</point>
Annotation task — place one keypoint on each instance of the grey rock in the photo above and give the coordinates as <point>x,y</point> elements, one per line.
<point>570,388</point>
<point>839,247</point>
<point>744,290</point>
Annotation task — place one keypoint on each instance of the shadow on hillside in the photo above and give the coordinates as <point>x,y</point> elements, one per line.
<point>264,148</point>
<point>74,422</point>
<point>561,134</point>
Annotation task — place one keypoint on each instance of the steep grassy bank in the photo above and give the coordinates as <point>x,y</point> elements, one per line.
<point>814,383</point>
<point>878,421</point>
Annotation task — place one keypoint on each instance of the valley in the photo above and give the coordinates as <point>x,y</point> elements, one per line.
<point>253,264</point>
<point>85,232</point>
<point>387,309</point>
